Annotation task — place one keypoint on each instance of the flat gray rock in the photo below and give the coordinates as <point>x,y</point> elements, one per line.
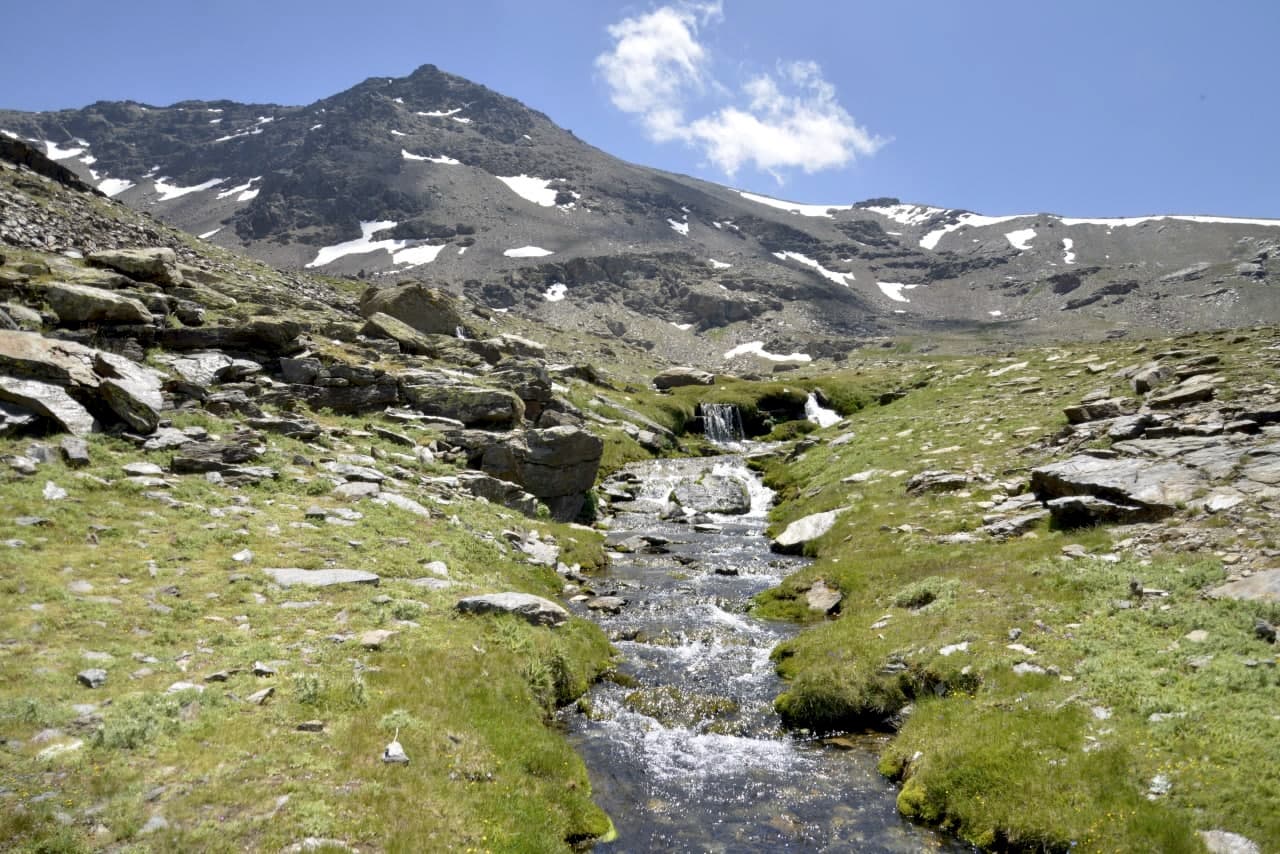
<point>320,577</point>
<point>1262,586</point>
<point>48,400</point>
<point>80,304</point>
<point>534,609</point>
<point>1156,486</point>
<point>801,531</point>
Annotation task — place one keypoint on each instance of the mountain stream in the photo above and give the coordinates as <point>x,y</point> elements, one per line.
<point>691,756</point>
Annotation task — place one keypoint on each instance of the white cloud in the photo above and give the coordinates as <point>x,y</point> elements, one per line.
<point>790,119</point>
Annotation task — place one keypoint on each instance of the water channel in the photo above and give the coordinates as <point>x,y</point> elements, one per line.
<point>690,756</point>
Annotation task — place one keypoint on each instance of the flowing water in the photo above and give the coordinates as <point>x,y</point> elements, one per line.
<point>691,757</point>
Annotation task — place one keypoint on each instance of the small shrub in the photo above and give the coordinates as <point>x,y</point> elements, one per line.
<point>138,719</point>
<point>928,595</point>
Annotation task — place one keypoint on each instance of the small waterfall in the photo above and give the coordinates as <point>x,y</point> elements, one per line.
<point>461,333</point>
<point>819,414</point>
<point>722,423</point>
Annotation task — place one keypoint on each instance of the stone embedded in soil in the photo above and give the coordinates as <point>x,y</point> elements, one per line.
<point>292,577</point>
<point>534,609</point>
<point>1261,586</point>
<point>793,539</point>
<point>94,677</point>
<point>823,599</point>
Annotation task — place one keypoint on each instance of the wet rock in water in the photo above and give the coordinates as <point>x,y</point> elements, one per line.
<point>714,494</point>
<point>94,677</point>
<point>320,577</point>
<point>802,531</point>
<point>682,376</point>
<point>533,609</point>
<point>673,707</point>
<point>936,481</point>
<point>607,604</point>
<point>823,599</point>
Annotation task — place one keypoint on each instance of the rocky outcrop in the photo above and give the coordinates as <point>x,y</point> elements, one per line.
<point>424,308</point>
<point>78,305</point>
<point>381,325</point>
<point>498,491</point>
<point>556,464</point>
<point>682,376</point>
<point>533,609</point>
<point>104,384</point>
<point>436,393</point>
<point>157,264</point>
<point>1145,490</point>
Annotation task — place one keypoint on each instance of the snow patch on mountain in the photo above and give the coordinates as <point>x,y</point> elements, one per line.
<point>906,214</point>
<point>930,240</point>
<point>893,290</point>
<point>718,265</point>
<point>169,192</point>
<point>756,348</point>
<point>439,114</point>
<point>114,186</point>
<point>1021,239</point>
<point>838,278</point>
<point>400,251</point>
<point>536,190</point>
<point>556,292</point>
<point>1125,222</point>
<point>244,192</point>
<point>527,252</point>
<point>55,152</point>
<point>1068,251</point>
<point>679,227</point>
<point>443,158</point>
<point>795,207</point>
<point>209,234</point>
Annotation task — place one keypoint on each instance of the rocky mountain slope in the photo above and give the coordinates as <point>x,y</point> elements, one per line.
<point>266,535</point>
<point>433,177</point>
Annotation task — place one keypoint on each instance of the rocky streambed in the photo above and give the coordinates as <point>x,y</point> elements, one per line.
<point>685,751</point>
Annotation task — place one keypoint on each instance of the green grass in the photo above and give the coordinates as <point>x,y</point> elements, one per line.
<point>1054,760</point>
<point>473,697</point>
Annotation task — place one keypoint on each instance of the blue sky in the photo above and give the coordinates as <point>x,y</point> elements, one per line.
<point>1087,108</point>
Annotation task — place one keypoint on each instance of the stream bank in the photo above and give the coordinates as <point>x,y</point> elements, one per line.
<point>689,753</point>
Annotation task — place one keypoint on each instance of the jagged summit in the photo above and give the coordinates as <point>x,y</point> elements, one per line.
<point>433,176</point>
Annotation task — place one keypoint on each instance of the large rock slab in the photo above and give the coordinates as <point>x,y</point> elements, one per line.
<point>557,464</point>
<point>47,400</point>
<point>1096,410</point>
<point>290,577</point>
<point>1261,586</point>
<point>381,325</point>
<point>682,376</point>
<point>474,405</point>
<point>158,264</point>
<point>259,335</point>
<point>805,530</point>
<point>424,308</point>
<point>714,494</point>
<point>131,390</point>
<point>534,609</point>
<point>1155,487</point>
<point>498,491</point>
<point>77,305</point>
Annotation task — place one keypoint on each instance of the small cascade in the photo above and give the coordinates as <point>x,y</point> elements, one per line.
<point>461,333</point>
<point>819,414</point>
<point>722,424</point>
